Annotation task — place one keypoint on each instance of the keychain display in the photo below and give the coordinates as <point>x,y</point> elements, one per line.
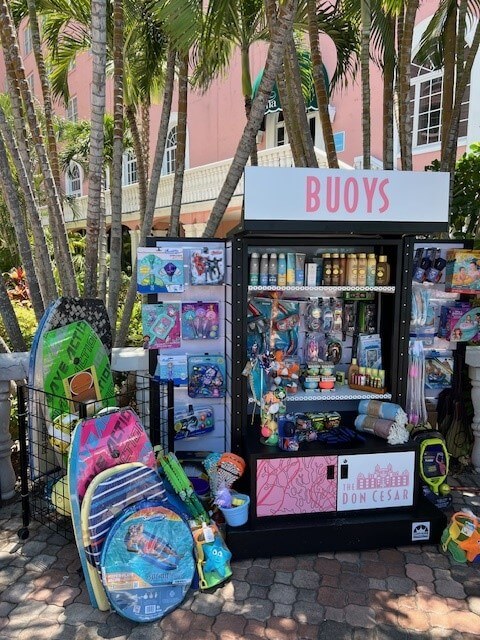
<point>161,325</point>
<point>207,266</point>
<point>206,376</point>
<point>200,320</point>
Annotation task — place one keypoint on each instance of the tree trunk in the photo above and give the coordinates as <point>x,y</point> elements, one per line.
<point>289,115</point>
<point>298,103</point>
<point>102,249</point>
<point>448,85</point>
<point>366,20</point>
<point>16,215</point>
<point>95,165</point>
<point>46,93</point>
<point>388,99</point>
<point>174,228</point>
<point>145,111</point>
<point>57,223</point>
<point>141,173</point>
<point>152,193</point>
<point>405,58</point>
<point>320,88</point>
<point>41,255</point>
<point>10,320</point>
<point>278,39</point>
<point>247,95</point>
<point>115,276</point>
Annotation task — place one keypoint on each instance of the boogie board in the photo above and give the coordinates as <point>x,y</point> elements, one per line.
<point>147,561</point>
<point>60,313</point>
<point>106,496</point>
<point>98,444</point>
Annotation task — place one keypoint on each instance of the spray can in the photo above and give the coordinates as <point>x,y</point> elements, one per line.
<point>272,270</point>
<point>282,270</point>
<point>254,269</point>
<point>264,270</point>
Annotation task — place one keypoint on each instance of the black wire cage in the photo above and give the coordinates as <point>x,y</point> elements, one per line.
<point>44,444</point>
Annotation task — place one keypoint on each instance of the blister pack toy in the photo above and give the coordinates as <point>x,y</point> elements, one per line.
<point>161,325</point>
<point>193,422</point>
<point>200,320</point>
<point>206,376</point>
<point>173,368</point>
<point>160,270</point>
<point>207,266</point>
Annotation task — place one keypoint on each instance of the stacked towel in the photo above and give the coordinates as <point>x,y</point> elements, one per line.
<point>384,419</point>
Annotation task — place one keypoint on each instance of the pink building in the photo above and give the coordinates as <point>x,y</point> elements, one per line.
<point>216,120</point>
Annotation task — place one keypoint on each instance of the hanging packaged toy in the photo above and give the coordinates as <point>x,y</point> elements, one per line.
<point>206,376</point>
<point>172,368</point>
<point>193,422</point>
<point>206,266</point>
<point>285,320</point>
<point>313,319</point>
<point>200,320</point>
<point>159,270</point>
<point>161,325</point>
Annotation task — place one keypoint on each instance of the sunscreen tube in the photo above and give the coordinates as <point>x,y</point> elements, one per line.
<point>300,269</point>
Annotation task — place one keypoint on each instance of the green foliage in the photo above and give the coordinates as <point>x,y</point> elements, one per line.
<point>465,208</point>
<point>26,320</point>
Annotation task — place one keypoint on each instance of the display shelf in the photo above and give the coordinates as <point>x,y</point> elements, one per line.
<point>323,290</point>
<point>340,393</point>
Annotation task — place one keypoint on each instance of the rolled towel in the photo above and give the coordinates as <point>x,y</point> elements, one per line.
<point>386,429</point>
<point>383,410</point>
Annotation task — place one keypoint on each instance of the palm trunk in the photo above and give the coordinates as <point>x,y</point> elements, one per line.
<point>16,215</point>
<point>46,93</point>
<point>448,86</point>
<point>102,249</point>
<point>278,39</point>
<point>141,172</point>
<point>289,115</point>
<point>115,277</point>
<point>152,193</point>
<point>247,95</point>
<point>10,320</point>
<point>95,168</point>
<point>366,20</point>
<point>41,255</point>
<point>298,103</point>
<point>320,88</point>
<point>405,111</point>
<point>174,228</point>
<point>145,112</point>
<point>388,99</point>
<point>57,223</point>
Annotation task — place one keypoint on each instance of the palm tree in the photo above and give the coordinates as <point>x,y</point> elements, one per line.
<point>174,226</point>
<point>10,320</point>
<point>95,172</point>
<point>278,41</point>
<point>19,86</point>
<point>366,21</point>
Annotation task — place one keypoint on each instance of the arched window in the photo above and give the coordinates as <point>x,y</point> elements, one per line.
<point>129,169</point>
<point>281,135</point>
<point>170,151</point>
<point>426,98</point>
<point>73,180</point>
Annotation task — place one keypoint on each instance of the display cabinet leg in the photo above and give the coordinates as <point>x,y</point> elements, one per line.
<point>23,533</point>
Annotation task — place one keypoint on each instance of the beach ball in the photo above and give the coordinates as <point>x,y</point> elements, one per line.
<point>59,431</point>
<point>60,496</point>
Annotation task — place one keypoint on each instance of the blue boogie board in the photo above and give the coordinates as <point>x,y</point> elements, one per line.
<point>107,495</point>
<point>147,561</point>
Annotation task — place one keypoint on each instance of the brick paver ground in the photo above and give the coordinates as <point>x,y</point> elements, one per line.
<point>388,594</point>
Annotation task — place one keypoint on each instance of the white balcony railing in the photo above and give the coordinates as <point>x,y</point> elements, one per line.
<point>201,186</point>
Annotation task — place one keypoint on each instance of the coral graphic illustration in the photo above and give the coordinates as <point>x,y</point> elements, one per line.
<point>296,485</point>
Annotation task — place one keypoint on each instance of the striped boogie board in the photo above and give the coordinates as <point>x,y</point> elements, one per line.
<point>147,561</point>
<point>60,313</point>
<point>106,496</point>
<point>98,444</point>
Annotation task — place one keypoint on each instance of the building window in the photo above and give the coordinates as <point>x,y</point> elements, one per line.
<point>31,84</point>
<point>170,152</point>
<point>72,109</point>
<point>312,124</point>
<point>27,42</point>
<point>281,135</point>
<point>129,169</point>
<point>73,180</point>
<point>426,100</point>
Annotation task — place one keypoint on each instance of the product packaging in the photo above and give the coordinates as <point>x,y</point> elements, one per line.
<point>311,274</point>
<point>161,325</point>
<point>369,351</point>
<point>463,271</point>
<point>160,270</point>
<point>207,266</point>
<point>200,320</point>
<point>206,376</point>
<point>438,371</point>
<point>172,368</point>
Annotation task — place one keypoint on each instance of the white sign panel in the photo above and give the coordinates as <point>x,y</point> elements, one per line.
<point>337,195</point>
<point>372,481</point>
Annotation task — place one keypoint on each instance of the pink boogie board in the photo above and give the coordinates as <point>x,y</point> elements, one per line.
<point>97,444</point>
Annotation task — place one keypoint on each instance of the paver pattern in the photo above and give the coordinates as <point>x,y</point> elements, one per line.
<point>385,594</point>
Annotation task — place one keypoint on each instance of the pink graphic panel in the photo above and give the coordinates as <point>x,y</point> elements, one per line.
<point>296,485</point>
